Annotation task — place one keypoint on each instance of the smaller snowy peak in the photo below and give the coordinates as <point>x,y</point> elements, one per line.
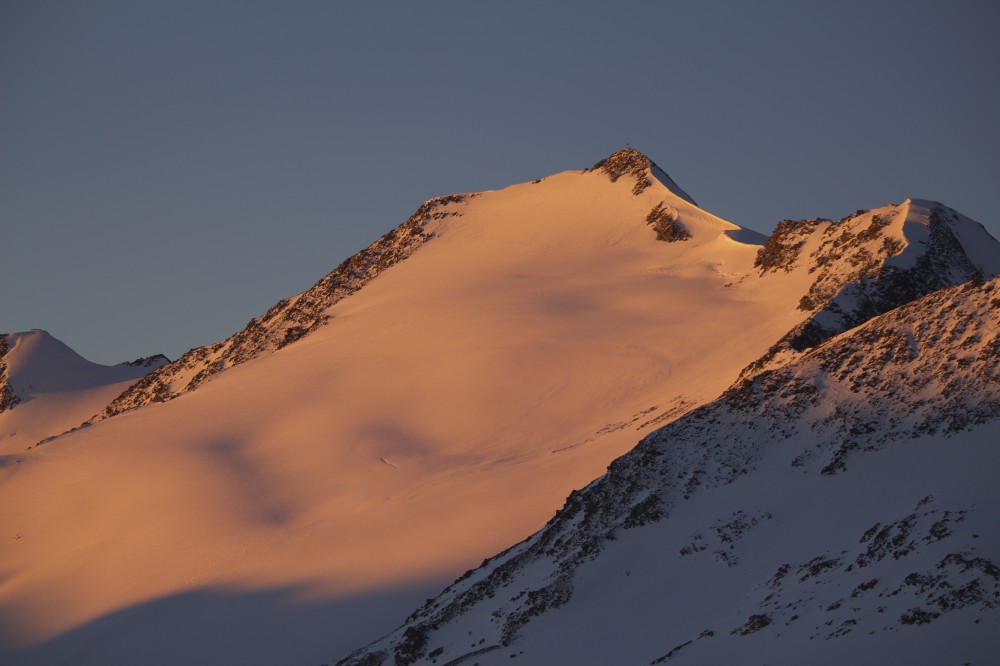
<point>900,235</point>
<point>631,163</point>
<point>961,246</point>
<point>871,262</point>
<point>33,363</point>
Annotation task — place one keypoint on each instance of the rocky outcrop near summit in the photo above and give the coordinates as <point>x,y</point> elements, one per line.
<point>288,320</point>
<point>632,165</point>
<point>734,487</point>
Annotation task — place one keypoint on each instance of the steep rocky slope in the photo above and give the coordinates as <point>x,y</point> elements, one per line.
<point>829,509</point>
<point>288,320</point>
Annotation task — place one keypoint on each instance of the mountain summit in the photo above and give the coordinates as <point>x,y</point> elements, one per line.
<point>630,162</point>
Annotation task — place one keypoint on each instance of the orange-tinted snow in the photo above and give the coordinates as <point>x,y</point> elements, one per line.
<point>444,413</point>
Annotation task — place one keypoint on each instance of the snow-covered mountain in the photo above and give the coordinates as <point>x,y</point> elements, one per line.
<point>46,388</point>
<point>302,485</point>
<point>840,508</point>
<point>294,318</point>
<point>864,265</point>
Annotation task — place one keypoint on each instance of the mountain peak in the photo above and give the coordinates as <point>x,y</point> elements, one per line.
<point>630,162</point>
<point>50,388</point>
<point>967,248</point>
<point>625,161</point>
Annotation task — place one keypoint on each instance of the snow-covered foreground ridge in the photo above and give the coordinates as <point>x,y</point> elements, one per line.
<point>430,402</point>
<point>832,509</point>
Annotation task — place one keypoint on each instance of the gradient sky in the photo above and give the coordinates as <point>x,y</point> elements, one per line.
<point>169,170</point>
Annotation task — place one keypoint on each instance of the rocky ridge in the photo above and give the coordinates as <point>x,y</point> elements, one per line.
<point>867,264</point>
<point>156,360</point>
<point>926,368</point>
<point>290,319</point>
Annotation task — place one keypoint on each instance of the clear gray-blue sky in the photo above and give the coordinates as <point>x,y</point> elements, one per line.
<point>169,170</point>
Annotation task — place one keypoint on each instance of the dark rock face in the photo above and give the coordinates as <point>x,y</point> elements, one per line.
<point>666,225</point>
<point>873,385</point>
<point>782,249</point>
<point>754,623</point>
<point>289,320</point>
<point>627,162</point>
<point>633,164</point>
<point>7,396</point>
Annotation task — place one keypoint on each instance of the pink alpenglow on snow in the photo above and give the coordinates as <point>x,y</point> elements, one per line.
<point>292,492</point>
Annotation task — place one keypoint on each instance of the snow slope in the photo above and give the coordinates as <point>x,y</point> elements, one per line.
<point>49,388</point>
<point>838,509</point>
<point>428,403</point>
